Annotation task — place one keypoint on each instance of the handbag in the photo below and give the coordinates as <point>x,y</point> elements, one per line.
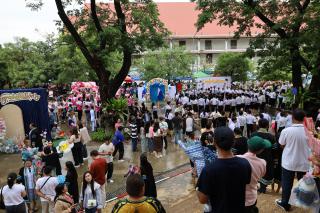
<point>2,206</point>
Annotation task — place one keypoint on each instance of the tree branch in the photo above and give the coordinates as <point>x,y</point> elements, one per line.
<point>127,53</point>
<point>103,40</point>
<point>305,5</point>
<point>74,33</point>
<point>281,32</point>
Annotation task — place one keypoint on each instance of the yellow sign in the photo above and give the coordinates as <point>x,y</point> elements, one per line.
<point>216,81</point>
<point>6,98</point>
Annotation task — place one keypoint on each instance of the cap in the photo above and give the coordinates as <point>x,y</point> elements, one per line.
<point>257,143</point>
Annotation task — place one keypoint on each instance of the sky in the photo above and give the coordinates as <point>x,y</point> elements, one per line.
<point>19,21</point>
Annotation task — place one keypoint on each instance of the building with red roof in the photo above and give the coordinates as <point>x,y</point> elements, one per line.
<point>180,19</point>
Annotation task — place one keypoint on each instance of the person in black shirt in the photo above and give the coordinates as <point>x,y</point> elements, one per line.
<point>72,180</point>
<point>51,159</point>
<point>207,133</point>
<point>267,154</point>
<point>150,189</point>
<point>223,182</point>
<point>240,145</point>
<point>222,121</point>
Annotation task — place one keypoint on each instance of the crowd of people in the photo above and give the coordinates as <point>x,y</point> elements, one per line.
<point>244,151</point>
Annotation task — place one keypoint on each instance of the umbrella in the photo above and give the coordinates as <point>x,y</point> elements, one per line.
<point>200,74</point>
<point>128,79</point>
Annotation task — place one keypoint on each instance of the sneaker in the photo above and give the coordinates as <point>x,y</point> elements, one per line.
<point>110,181</point>
<point>77,166</point>
<point>121,160</point>
<point>85,158</point>
<point>282,206</point>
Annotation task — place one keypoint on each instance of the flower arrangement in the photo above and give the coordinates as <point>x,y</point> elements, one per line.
<point>64,147</point>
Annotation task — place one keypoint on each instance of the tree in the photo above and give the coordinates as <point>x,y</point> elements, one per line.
<point>235,65</point>
<point>290,25</point>
<point>166,63</point>
<point>27,64</point>
<point>100,30</point>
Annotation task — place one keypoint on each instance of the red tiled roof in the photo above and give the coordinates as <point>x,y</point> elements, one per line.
<point>180,19</point>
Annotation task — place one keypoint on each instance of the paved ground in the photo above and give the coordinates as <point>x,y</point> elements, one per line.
<point>177,194</point>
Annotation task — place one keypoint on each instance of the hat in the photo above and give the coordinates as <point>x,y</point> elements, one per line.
<point>257,143</point>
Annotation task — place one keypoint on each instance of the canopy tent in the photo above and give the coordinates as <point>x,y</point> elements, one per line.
<point>200,74</point>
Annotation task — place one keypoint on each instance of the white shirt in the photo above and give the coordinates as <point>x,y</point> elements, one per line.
<point>289,120</point>
<point>231,125</point>
<point>184,100</point>
<point>250,119</point>
<point>49,188</point>
<point>242,120</point>
<point>296,151</point>
<point>84,135</point>
<point>13,196</point>
<point>92,115</point>
<point>282,122</point>
<point>107,148</point>
<point>201,102</point>
<point>189,124</point>
<point>238,100</point>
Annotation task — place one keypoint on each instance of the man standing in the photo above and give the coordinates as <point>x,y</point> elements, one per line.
<point>133,133</point>
<point>45,189</point>
<point>35,137</point>
<point>136,201</point>
<point>93,119</point>
<point>106,150</point>
<point>189,124</point>
<point>256,145</point>
<point>223,183</point>
<point>164,128</point>
<point>251,120</point>
<point>98,171</point>
<point>118,143</point>
<point>294,157</point>
<point>177,127</point>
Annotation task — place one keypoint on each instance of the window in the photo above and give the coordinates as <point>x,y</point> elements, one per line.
<point>209,58</point>
<point>208,45</point>
<point>182,43</point>
<point>234,44</point>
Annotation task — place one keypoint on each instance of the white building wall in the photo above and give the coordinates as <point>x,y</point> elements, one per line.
<point>219,44</point>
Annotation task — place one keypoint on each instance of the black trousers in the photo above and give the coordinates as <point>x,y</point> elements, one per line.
<point>21,208</point>
<point>79,115</point>
<point>109,170</point>
<point>84,151</point>
<point>77,153</point>
<point>252,209</point>
<point>119,147</point>
<point>249,130</point>
<point>164,138</point>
